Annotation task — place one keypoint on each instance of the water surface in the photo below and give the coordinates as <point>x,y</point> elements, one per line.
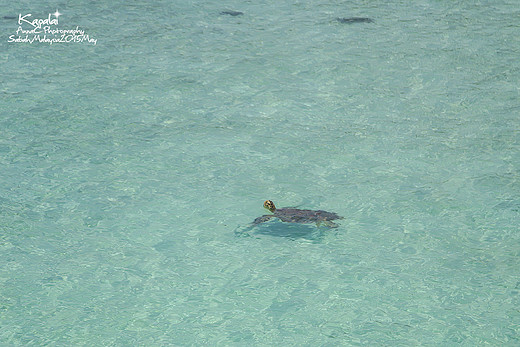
<point>132,168</point>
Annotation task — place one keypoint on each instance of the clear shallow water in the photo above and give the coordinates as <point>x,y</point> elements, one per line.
<point>131,168</point>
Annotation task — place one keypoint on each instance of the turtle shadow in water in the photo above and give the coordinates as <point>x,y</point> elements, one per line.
<point>291,231</point>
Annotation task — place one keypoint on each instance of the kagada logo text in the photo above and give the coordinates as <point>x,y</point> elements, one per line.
<point>46,30</point>
<point>37,23</point>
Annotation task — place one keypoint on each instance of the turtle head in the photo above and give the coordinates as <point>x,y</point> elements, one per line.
<point>268,204</point>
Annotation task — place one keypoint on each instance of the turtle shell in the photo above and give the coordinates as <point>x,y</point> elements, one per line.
<point>294,215</point>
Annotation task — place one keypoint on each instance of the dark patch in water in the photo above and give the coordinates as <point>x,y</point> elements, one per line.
<point>166,246</point>
<point>232,13</point>
<point>10,17</point>
<point>513,205</point>
<point>352,20</point>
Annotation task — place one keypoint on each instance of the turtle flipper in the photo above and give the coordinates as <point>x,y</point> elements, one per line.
<point>327,223</point>
<point>330,224</point>
<point>262,219</point>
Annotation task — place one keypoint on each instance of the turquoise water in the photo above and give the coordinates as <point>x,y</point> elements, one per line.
<point>131,169</point>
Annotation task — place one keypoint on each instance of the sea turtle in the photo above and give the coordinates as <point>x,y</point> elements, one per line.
<point>294,215</point>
